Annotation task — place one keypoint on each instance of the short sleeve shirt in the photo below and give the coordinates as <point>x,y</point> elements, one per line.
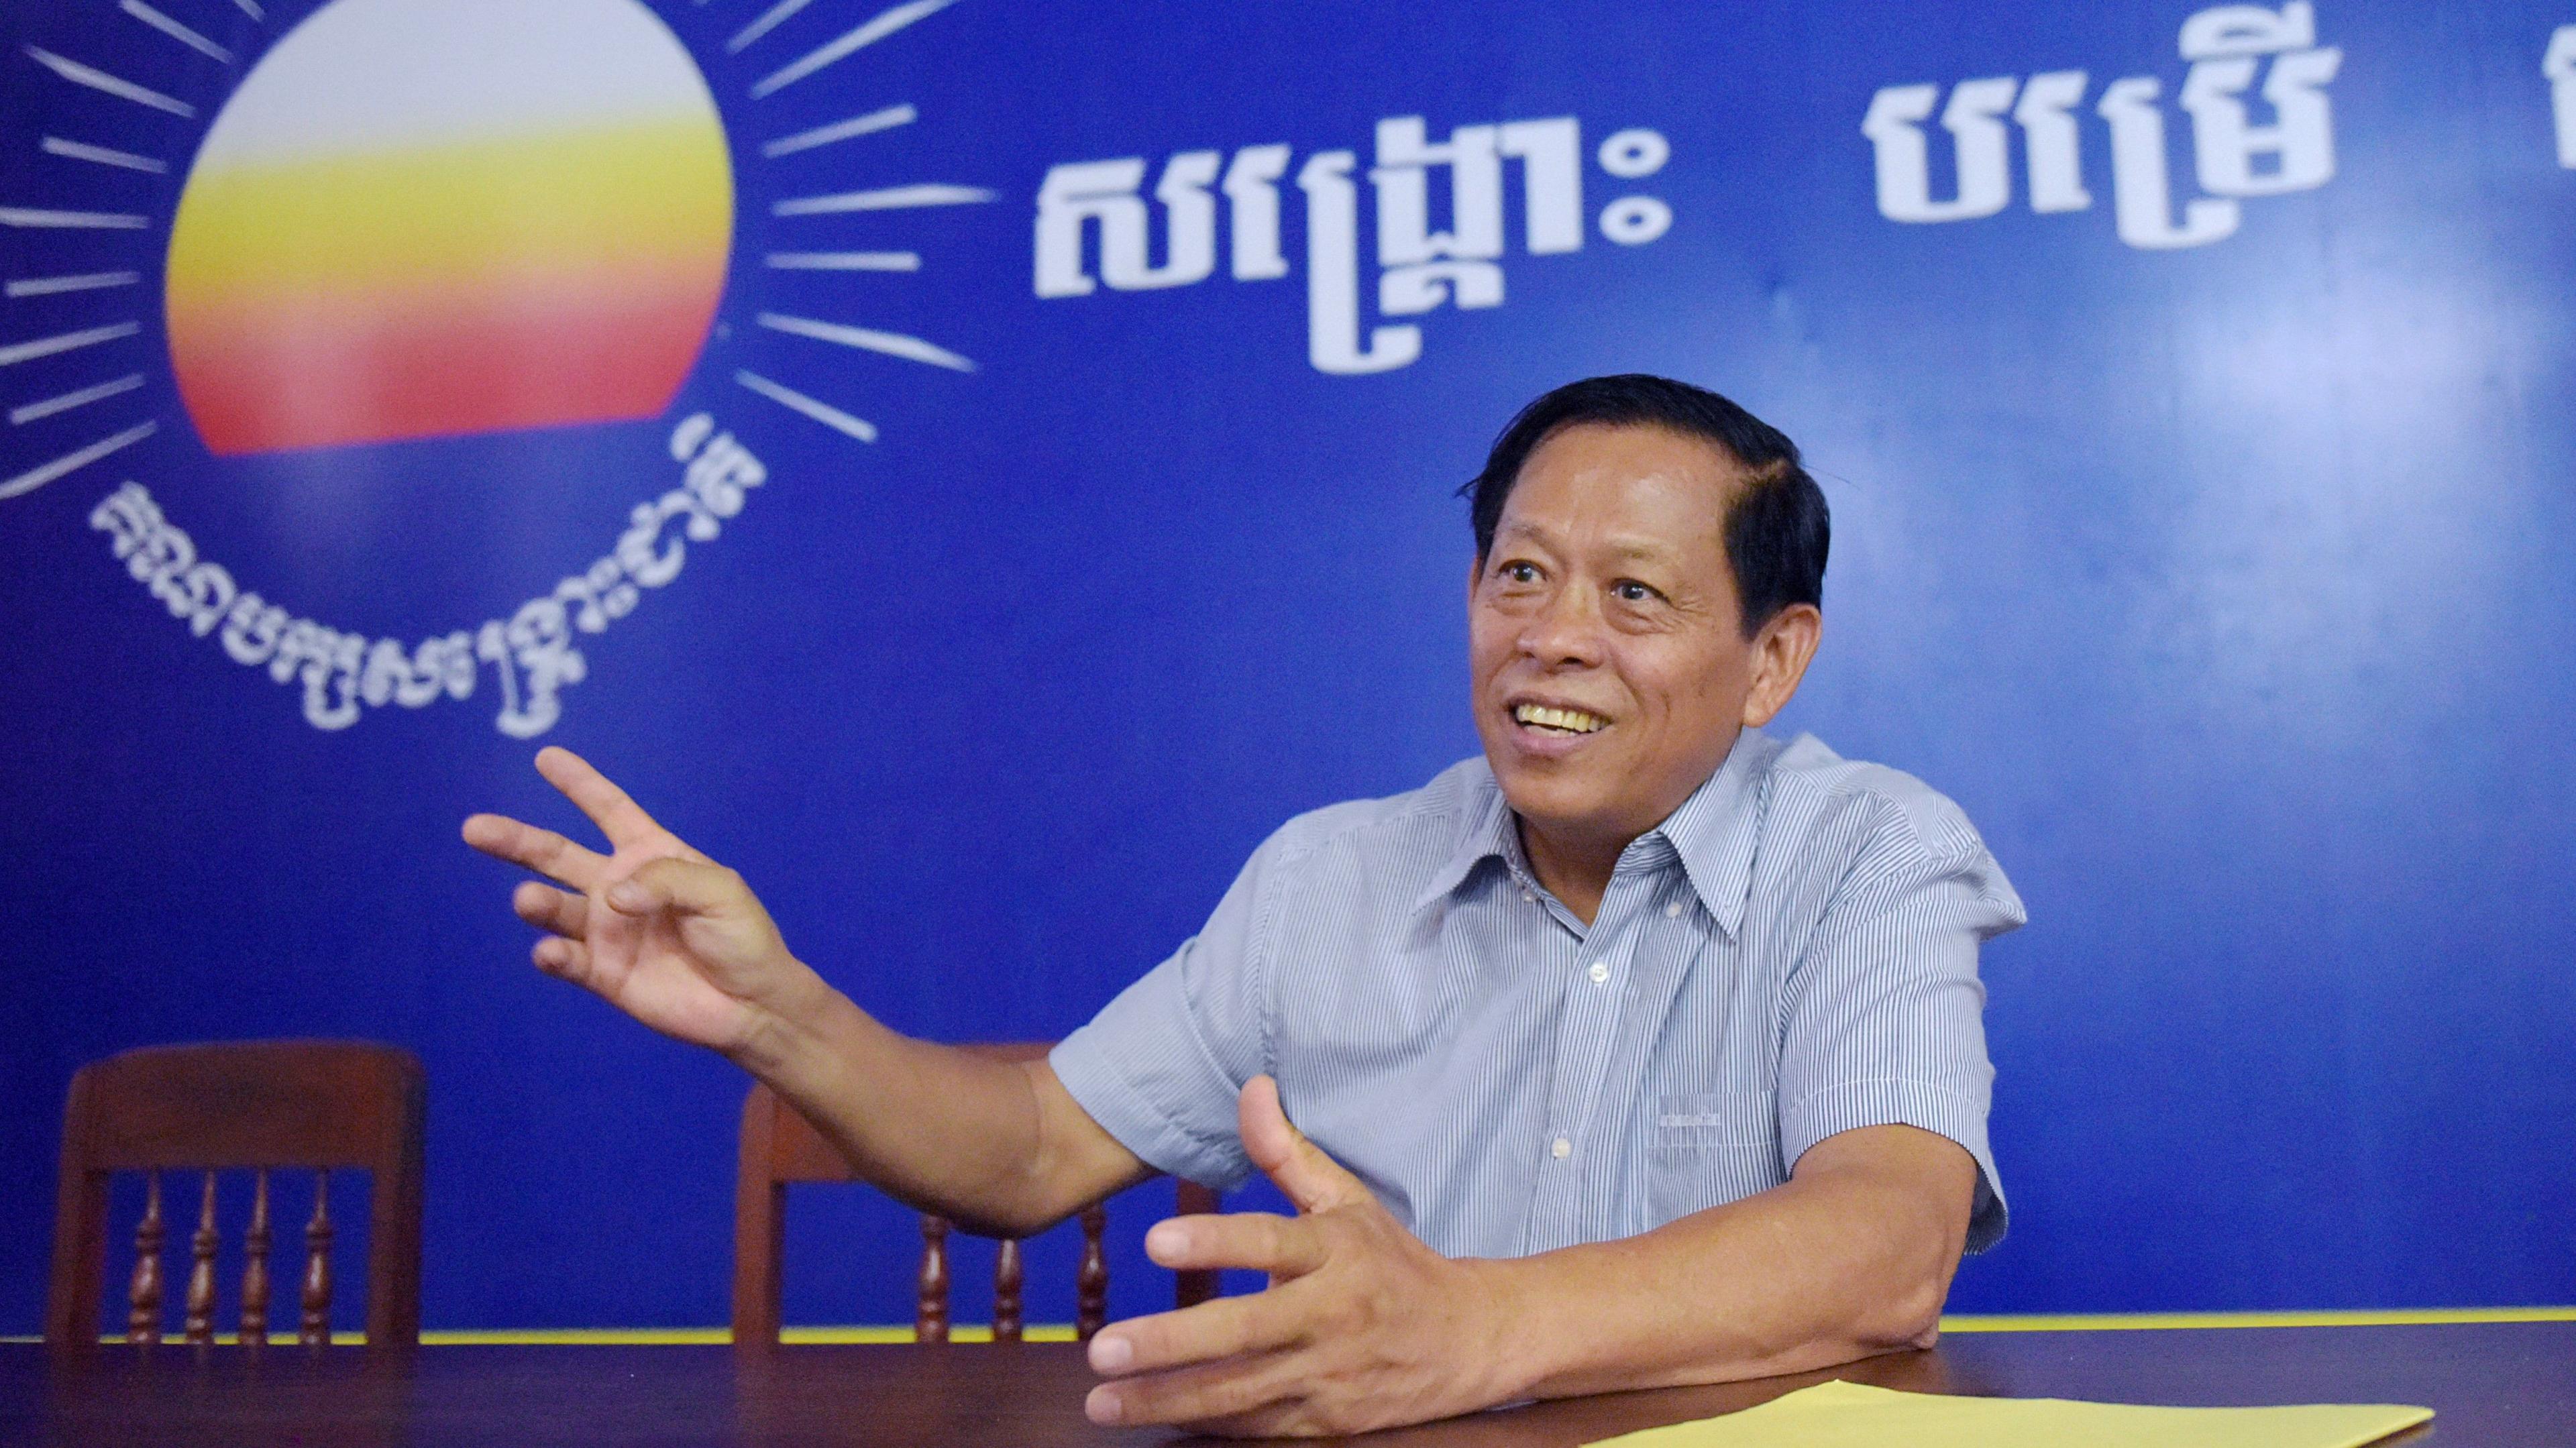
<point>1792,954</point>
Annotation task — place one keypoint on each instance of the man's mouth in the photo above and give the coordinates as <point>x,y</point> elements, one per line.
<point>1547,719</point>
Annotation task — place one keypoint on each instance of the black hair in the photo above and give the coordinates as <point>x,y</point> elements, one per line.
<point>1778,529</point>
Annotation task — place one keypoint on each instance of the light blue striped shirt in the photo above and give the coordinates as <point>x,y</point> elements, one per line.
<point>1790,955</point>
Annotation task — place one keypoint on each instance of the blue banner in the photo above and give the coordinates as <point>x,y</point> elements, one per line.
<point>976,468</point>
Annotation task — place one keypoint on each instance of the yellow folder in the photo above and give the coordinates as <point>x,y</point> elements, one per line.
<point>1851,1415</point>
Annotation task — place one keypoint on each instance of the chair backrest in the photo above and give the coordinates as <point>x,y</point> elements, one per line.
<point>261,1105</point>
<point>780,1146</point>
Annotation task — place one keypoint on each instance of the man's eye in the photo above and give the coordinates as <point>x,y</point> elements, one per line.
<point>1520,572</point>
<point>1631,591</point>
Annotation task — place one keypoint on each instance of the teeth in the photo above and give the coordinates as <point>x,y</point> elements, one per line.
<point>1571,721</point>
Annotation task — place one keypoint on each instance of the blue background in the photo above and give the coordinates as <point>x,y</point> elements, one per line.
<point>2227,589</point>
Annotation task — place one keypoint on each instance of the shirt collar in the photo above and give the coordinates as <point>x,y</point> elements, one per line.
<point>1714,833</point>
<point>1717,829</point>
<point>1484,833</point>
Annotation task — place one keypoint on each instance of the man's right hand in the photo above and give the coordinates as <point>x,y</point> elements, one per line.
<point>679,942</point>
<point>658,930</point>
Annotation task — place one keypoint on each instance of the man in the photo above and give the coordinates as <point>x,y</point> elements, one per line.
<point>1644,1050</point>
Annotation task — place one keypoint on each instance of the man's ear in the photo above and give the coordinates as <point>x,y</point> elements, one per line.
<point>1781,652</point>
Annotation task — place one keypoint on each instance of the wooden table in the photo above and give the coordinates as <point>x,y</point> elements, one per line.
<point>2492,1384</point>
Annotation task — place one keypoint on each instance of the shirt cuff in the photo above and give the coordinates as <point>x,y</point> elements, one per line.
<point>1943,1110</point>
<point>1125,1112</point>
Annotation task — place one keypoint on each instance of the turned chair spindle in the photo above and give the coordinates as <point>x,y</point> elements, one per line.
<point>254,1288</point>
<point>143,1292</point>
<point>930,1304</point>
<point>1007,1282</point>
<point>1091,1283</point>
<point>200,1326</point>
<point>316,1326</point>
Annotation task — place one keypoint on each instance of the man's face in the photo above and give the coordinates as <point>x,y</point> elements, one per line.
<point>1611,668</point>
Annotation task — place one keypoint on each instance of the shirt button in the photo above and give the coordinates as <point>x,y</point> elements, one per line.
<point>1673,911</point>
<point>1526,895</point>
<point>1599,972</point>
<point>1560,1148</point>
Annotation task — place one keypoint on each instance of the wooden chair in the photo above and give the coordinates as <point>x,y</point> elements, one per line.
<point>261,1105</point>
<point>780,1146</point>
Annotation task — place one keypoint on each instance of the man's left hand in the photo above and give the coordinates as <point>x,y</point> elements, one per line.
<point>1362,1327</point>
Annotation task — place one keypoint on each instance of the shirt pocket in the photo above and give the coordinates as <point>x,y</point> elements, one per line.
<point>1709,1149</point>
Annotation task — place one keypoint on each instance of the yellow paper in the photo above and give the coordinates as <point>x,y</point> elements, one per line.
<point>1851,1415</point>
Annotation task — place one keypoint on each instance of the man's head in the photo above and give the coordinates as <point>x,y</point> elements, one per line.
<point>1650,559</point>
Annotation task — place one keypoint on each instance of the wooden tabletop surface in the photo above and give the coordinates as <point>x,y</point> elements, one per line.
<point>2505,1385</point>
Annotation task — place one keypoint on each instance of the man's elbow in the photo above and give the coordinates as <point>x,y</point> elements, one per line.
<point>1905,1312</point>
<point>1013,1222</point>
<point>1912,1283</point>
<point>1907,1197</point>
<point>1883,1312</point>
<point>1021,1203</point>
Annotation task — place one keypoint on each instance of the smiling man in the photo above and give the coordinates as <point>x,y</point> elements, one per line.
<point>1643,1050</point>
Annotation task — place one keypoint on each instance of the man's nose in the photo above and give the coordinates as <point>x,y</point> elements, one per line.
<point>1566,630</point>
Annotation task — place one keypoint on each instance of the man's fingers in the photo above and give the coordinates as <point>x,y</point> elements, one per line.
<point>1311,1179</point>
<point>543,851</point>
<point>568,959</point>
<point>682,887</point>
<point>1207,1393</point>
<point>618,816</point>
<point>1226,1327</point>
<point>548,908</point>
<point>1256,1241</point>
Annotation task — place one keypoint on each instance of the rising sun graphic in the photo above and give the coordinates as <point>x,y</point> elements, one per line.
<point>399,221</point>
<point>420,218</point>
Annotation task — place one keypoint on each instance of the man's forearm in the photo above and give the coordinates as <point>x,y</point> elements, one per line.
<point>972,1138</point>
<point>1836,1264</point>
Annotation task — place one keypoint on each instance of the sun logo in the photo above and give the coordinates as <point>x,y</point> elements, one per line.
<point>420,218</point>
<point>402,221</point>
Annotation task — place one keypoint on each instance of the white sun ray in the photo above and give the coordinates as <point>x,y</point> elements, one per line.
<point>84,151</point>
<point>887,119</point>
<point>822,412</point>
<point>87,220</point>
<point>768,21</point>
<point>868,339</point>
<point>868,34</point>
<point>175,30</point>
<point>99,80</point>
<point>90,281</point>
<point>884,198</point>
<point>69,400</point>
<point>17,352</point>
<point>250,8</point>
<point>37,477</point>
<point>844,260</point>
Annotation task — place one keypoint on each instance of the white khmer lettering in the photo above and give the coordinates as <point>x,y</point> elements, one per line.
<point>532,654</point>
<point>2234,157</point>
<point>1421,268</point>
